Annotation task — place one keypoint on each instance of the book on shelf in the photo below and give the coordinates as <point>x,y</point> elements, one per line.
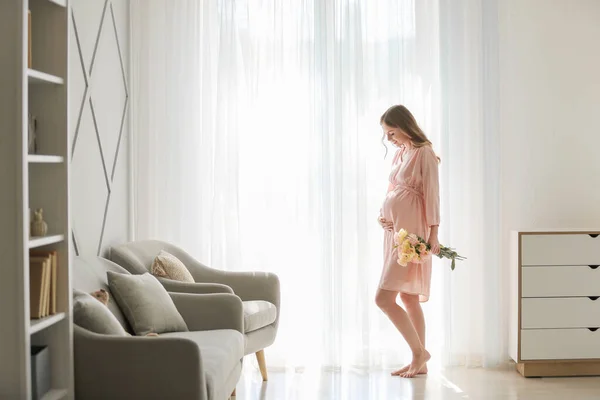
<point>42,283</point>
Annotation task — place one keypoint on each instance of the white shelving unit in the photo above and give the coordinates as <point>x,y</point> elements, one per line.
<point>36,77</point>
<point>43,159</point>
<point>37,325</point>
<point>42,241</point>
<point>38,29</point>
<point>56,394</point>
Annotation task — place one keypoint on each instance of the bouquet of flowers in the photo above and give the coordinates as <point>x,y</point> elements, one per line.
<point>414,249</point>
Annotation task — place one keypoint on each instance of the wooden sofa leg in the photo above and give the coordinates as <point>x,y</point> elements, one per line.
<point>260,357</point>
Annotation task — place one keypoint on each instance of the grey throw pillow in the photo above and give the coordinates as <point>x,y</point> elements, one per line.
<point>146,303</point>
<point>94,316</point>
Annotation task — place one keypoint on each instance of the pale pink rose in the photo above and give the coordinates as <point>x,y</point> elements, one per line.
<point>400,236</point>
<point>406,247</point>
<point>418,258</point>
<point>422,248</point>
<point>404,259</point>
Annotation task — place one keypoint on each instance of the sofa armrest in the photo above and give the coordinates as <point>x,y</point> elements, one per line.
<point>123,367</point>
<point>248,285</point>
<point>196,288</point>
<point>210,311</point>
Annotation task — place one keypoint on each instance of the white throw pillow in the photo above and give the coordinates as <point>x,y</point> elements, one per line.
<point>166,265</point>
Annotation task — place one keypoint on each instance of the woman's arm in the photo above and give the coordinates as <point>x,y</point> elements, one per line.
<point>434,230</point>
<point>431,195</point>
<point>433,239</point>
<point>431,188</point>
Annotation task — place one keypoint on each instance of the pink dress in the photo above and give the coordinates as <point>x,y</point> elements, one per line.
<point>413,203</point>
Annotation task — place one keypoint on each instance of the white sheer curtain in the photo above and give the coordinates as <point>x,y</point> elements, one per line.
<point>257,147</point>
<point>475,331</point>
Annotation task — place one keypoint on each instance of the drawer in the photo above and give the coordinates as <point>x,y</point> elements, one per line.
<point>574,312</point>
<point>560,344</point>
<point>562,281</point>
<point>560,249</point>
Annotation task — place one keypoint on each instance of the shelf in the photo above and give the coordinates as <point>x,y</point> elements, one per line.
<point>38,36</point>
<point>45,240</point>
<point>37,77</point>
<point>44,159</point>
<point>55,394</point>
<point>36,325</point>
<point>62,3</point>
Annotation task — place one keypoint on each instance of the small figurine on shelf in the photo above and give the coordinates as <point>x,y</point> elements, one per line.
<point>39,227</point>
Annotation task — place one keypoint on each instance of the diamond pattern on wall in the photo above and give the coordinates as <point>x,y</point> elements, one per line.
<point>90,187</point>
<point>102,109</point>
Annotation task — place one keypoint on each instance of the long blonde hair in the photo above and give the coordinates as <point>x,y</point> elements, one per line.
<point>400,117</point>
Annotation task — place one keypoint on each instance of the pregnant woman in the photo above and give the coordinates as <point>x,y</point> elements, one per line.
<point>412,203</point>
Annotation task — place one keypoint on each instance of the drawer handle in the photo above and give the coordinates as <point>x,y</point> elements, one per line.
<point>593,329</point>
<point>593,266</point>
<point>594,235</point>
<point>593,298</point>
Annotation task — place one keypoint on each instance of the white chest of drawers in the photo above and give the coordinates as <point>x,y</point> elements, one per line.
<point>554,316</point>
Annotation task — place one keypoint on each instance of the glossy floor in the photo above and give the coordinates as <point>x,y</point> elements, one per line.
<point>451,384</point>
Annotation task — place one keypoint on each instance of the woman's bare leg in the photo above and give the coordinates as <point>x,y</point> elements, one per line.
<point>386,301</point>
<point>415,313</point>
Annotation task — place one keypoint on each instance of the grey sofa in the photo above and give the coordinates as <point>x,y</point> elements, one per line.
<point>203,364</point>
<point>259,291</point>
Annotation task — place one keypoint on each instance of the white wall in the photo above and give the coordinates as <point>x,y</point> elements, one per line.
<point>100,161</point>
<point>550,114</point>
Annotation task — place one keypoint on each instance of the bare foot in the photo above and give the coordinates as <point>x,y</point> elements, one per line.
<point>422,371</point>
<point>418,362</point>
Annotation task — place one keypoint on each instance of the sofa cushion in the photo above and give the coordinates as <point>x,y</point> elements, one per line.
<point>221,352</point>
<point>94,316</point>
<point>166,265</point>
<point>258,314</point>
<point>89,275</point>
<point>146,303</point>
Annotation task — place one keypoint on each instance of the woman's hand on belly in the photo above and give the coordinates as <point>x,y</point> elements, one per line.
<point>385,224</point>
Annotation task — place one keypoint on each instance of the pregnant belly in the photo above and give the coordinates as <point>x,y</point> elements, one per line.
<point>405,209</point>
